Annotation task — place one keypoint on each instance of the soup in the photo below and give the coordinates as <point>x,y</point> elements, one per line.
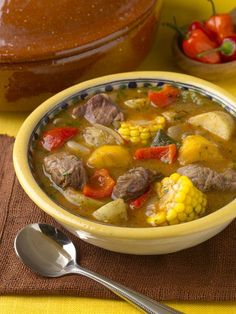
<point>139,157</point>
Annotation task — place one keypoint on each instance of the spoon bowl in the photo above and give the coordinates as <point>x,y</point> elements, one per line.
<point>45,249</point>
<point>50,253</point>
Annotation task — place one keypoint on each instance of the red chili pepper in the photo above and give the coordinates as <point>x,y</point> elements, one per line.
<point>166,154</point>
<point>198,42</point>
<point>55,138</point>
<point>227,49</point>
<point>221,24</point>
<point>164,97</point>
<point>100,185</point>
<point>138,202</point>
<point>199,25</point>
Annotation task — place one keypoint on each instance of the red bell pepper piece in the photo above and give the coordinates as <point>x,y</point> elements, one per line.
<point>197,42</point>
<point>164,97</point>
<point>55,138</point>
<point>166,154</point>
<point>139,202</point>
<point>221,24</point>
<point>100,185</point>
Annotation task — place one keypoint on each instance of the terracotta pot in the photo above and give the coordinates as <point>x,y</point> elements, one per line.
<point>48,46</point>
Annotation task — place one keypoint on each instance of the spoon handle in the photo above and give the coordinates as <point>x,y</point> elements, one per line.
<point>139,300</point>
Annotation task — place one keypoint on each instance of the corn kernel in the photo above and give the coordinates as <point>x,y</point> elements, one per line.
<point>134,133</point>
<point>188,200</point>
<point>134,139</point>
<point>192,215</point>
<point>198,208</point>
<point>145,136</point>
<point>175,177</point>
<point>183,180</point>
<point>194,201</point>
<point>144,142</point>
<point>182,216</point>
<point>160,119</point>
<point>165,181</point>
<point>191,193</point>
<point>179,207</point>
<point>151,220</point>
<point>171,215</point>
<point>174,222</point>
<point>159,218</point>
<point>155,127</point>
<point>124,131</point>
<point>151,128</point>
<point>184,189</point>
<point>180,197</point>
<point>188,209</point>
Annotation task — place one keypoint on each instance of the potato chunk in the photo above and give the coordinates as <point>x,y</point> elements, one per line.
<point>110,156</point>
<point>217,122</point>
<point>197,148</point>
<point>113,212</point>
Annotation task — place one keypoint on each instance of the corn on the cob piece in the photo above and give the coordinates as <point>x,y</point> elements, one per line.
<point>140,133</point>
<point>179,201</point>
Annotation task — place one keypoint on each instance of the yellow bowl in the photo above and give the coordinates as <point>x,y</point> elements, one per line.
<point>153,240</point>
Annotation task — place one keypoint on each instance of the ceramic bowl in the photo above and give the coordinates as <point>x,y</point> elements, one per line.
<point>43,54</point>
<point>159,240</point>
<point>211,72</point>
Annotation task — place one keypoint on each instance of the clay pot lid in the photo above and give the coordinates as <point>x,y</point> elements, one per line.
<point>36,30</point>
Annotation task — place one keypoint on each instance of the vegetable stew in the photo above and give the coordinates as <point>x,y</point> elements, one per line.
<point>139,157</point>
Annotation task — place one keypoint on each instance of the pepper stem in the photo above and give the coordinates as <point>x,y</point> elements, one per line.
<point>175,27</point>
<point>213,7</point>
<point>227,48</point>
<point>207,52</point>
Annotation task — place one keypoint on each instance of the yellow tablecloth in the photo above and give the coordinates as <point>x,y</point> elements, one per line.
<point>160,58</point>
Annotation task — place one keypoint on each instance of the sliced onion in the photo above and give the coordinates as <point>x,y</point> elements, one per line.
<point>78,199</point>
<point>75,146</point>
<point>137,103</point>
<point>57,121</point>
<point>110,131</point>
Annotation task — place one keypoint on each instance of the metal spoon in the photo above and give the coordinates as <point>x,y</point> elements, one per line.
<point>50,253</point>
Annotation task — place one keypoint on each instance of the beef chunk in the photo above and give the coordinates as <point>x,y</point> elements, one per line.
<point>206,179</point>
<point>134,183</point>
<point>99,109</point>
<point>65,170</point>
